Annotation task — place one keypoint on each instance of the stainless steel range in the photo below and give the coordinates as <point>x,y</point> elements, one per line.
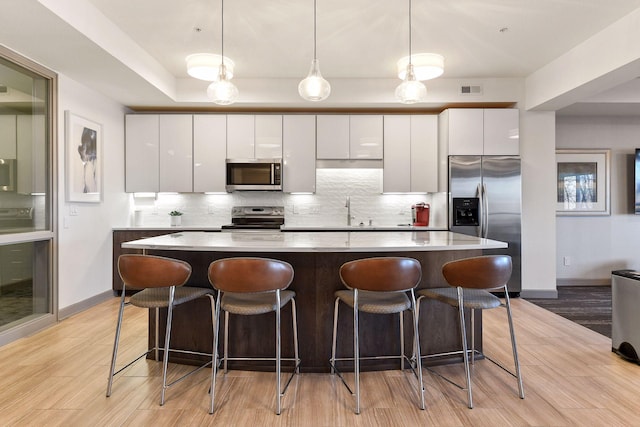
<point>255,218</point>
<point>16,219</point>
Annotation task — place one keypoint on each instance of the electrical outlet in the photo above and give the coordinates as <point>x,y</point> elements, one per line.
<point>73,210</point>
<point>566,260</point>
<point>211,209</point>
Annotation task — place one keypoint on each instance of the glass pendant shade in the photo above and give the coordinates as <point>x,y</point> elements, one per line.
<point>314,87</point>
<point>222,91</point>
<point>411,91</point>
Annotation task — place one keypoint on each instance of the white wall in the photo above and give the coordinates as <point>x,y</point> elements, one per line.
<point>537,150</point>
<point>84,240</point>
<point>599,244</point>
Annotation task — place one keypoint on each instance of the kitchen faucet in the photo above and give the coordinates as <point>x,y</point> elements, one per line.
<point>348,206</point>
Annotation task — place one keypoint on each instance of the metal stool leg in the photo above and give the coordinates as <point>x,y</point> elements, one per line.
<point>214,356</point>
<point>356,349</point>
<point>278,349</point>
<point>334,339</point>
<point>463,337</point>
<point>296,353</point>
<point>513,344</point>
<point>167,337</point>
<point>401,314</point>
<point>416,340</point>
<point>226,340</point>
<point>115,344</point>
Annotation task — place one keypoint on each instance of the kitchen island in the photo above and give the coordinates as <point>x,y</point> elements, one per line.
<point>316,258</point>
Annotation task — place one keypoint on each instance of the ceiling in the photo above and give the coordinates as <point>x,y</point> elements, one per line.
<point>134,51</point>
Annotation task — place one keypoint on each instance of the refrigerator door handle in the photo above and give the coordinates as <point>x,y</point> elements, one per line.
<point>480,196</point>
<point>485,210</point>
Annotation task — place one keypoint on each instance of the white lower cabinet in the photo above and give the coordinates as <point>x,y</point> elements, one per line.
<point>16,263</point>
<point>410,153</point>
<point>299,153</point>
<point>209,153</point>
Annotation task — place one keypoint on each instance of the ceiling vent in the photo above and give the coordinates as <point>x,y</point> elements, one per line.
<point>470,90</point>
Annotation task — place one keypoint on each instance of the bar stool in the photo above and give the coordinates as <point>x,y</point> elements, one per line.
<point>251,286</point>
<point>161,282</point>
<point>379,286</point>
<point>469,280</point>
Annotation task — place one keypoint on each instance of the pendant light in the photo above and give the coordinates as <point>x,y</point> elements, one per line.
<point>314,87</point>
<point>222,91</point>
<point>410,90</point>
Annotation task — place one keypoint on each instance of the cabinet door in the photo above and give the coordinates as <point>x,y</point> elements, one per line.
<point>365,137</point>
<point>209,152</point>
<point>466,132</point>
<point>32,154</point>
<point>176,153</point>
<point>397,154</point>
<point>8,137</point>
<point>240,136</point>
<point>501,131</point>
<point>424,153</point>
<point>142,156</point>
<point>268,140</point>
<point>332,137</point>
<point>299,147</point>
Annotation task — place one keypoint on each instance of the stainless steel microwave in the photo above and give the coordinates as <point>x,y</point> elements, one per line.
<point>7,174</point>
<point>254,174</point>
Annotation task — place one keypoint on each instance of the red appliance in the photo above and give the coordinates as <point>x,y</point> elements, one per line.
<point>420,214</point>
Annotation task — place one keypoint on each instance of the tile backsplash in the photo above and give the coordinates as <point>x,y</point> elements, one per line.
<point>325,207</point>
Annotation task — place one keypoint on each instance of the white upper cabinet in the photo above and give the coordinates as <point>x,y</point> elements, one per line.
<point>344,137</point>
<point>142,159</point>
<point>8,137</point>
<point>501,131</point>
<point>31,154</point>
<point>365,137</point>
<point>424,153</point>
<point>176,153</point>
<point>465,127</point>
<point>332,137</point>
<point>410,153</point>
<point>254,137</point>
<point>396,176</point>
<point>268,141</point>
<point>475,131</point>
<point>240,136</point>
<point>298,148</point>
<point>209,152</point>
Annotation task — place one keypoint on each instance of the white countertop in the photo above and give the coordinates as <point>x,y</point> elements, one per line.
<point>338,241</point>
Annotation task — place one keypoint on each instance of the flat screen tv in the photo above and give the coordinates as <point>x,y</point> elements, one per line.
<point>637,181</point>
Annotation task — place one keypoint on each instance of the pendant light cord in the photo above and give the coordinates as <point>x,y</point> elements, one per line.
<point>409,32</point>
<point>314,30</point>
<point>222,29</point>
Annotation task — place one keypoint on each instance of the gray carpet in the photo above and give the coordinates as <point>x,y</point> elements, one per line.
<point>589,306</point>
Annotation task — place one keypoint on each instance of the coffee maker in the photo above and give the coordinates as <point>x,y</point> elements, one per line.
<point>420,214</point>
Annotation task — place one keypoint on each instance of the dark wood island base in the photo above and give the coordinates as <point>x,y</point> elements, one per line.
<point>316,280</point>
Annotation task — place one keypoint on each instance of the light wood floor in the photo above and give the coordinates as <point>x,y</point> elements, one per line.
<point>571,377</point>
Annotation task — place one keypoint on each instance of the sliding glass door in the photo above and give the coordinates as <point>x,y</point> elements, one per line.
<point>27,129</point>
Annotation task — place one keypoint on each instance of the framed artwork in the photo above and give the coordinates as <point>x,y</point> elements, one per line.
<point>83,146</point>
<point>583,178</point>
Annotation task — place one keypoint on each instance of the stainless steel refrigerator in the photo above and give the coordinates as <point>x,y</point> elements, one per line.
<point>485,200</point>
